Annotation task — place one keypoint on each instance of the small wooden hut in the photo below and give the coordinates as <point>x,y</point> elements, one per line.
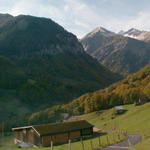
<point>119,110</point>
<point>58,133</point>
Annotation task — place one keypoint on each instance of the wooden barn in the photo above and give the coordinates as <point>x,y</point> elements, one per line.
<point>58,133</point>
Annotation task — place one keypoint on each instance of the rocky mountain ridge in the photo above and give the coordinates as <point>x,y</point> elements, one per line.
<point>120,53</point>
<point>137,34</point>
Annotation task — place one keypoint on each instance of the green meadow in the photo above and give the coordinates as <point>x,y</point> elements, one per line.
<point>135,120</point>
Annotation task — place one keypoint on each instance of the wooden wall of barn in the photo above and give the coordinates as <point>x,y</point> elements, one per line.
<point>60,138</point>
<point>28,135</point>
<point>87,131</point>
<point>74,135</point>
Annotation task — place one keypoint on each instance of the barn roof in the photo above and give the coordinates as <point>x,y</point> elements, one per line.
<point>48,129</point>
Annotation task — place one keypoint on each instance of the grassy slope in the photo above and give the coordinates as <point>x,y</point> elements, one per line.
<point>135,120</point>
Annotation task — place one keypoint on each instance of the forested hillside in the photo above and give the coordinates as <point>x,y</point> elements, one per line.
<point>43,65</point>
<point>134,89</point>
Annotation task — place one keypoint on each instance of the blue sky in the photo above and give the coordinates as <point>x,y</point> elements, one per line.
<point>82,16</point>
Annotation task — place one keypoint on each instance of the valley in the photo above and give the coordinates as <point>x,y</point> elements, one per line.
<point>48,75</point>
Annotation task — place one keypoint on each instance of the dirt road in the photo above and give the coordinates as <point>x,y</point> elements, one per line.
<point>126,144</point>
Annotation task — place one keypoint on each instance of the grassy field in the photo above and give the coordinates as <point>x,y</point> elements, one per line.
<point>7,143</point>
<point>135,120</point>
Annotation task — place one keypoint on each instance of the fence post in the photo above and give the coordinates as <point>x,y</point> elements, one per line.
<point>82,143</point>
<point>69,145</point>
<point>91,144</point>
<point>51,145</point>
<point>107,140</point>
<point>99,141</point>
<point>114,137</point>
<point>119,136</point>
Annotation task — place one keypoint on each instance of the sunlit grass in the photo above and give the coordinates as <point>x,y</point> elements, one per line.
<point>135,120</point>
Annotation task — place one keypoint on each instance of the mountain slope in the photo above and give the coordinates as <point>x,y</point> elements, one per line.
<point>134,89</point>
<point>4,18</point>
<point>120,54</point>
<point>50,66</point>
<point>96,38</point>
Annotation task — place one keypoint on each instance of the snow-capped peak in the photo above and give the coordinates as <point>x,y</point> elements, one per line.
<point>121,32</point>
<point>137,34</point>
<point>133,33</point>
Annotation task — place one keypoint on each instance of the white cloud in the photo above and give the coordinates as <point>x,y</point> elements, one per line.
<point>79,16</point>
<point>35,7</point>
<point>82,15</point>
<point>142,21</point>
<point>81,24</point>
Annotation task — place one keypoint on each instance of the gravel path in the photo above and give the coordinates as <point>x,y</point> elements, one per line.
<point>126,144</point>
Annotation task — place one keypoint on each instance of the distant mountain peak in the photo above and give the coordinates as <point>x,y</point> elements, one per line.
<point>118,52</point>
<point>133,30</point>
<point>132,33</point>
<point>121,32</point>
<point>99,31</point>
<point>138,34</point>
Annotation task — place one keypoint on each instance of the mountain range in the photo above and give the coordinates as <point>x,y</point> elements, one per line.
<point>47,72</point>
<point>42,65</point>
<point>118,52</point>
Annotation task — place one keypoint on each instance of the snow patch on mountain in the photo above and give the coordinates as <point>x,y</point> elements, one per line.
<point>137,34</point>
<point>131,36</point>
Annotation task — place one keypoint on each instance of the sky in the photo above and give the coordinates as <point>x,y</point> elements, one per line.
<point>82,16</point>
